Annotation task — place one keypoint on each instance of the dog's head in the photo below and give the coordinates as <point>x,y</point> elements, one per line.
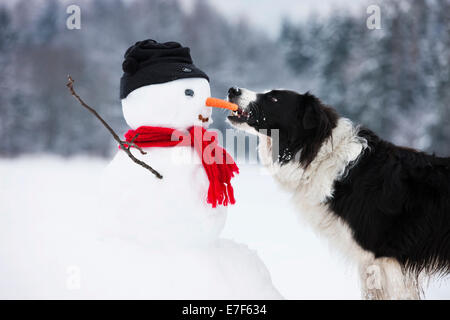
<point>304,123</point>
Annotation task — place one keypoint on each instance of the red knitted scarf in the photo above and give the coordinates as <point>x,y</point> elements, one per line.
<point>219,165</point>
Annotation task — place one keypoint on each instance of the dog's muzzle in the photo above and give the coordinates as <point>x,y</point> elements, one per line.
<point>245,99</point>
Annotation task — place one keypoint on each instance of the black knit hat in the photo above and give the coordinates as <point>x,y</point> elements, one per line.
<point>149,62</point>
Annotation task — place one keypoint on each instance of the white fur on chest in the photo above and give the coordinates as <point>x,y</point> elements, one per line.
<point>313,186</point>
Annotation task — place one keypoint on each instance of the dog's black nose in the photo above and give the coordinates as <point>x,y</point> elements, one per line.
<point>234,92</point>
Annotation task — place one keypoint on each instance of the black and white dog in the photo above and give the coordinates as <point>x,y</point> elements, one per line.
<point>385,206</point>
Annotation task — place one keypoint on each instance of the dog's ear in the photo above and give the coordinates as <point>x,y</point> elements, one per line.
<point>311,115</point>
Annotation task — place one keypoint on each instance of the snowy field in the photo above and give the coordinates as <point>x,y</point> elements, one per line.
<point>49,211</point>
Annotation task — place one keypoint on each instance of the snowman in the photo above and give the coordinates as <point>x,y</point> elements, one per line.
<point>175,221</point>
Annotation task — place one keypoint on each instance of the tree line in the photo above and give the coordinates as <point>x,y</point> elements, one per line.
<point>394,80</point>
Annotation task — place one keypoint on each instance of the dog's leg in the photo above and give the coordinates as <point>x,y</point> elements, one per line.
<point>384,279</point>
<point>370,280</point>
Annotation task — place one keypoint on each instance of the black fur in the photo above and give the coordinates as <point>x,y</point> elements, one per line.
<point>397,203</point>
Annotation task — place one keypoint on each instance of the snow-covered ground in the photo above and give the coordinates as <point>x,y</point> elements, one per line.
<point>49,214</point>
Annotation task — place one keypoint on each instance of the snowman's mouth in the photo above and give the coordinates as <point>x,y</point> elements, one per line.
<point>239,116</point>
<point>202,119</point>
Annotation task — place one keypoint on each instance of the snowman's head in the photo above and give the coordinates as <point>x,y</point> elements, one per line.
<point>162,87</point>
<point>176,104</point>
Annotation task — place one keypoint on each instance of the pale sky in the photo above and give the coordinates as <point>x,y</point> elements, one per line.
<point>269,13</point>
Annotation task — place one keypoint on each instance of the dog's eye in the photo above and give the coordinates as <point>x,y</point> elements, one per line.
<point>189,92</point>
<point>273,99</point>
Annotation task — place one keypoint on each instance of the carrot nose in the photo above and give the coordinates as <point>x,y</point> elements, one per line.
<point>219,103</point>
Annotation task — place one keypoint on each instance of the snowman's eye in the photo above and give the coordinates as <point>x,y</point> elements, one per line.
<point>189,92</point>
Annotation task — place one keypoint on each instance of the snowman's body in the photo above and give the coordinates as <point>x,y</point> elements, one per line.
<point>169,220</point>
<point>176,203</point>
